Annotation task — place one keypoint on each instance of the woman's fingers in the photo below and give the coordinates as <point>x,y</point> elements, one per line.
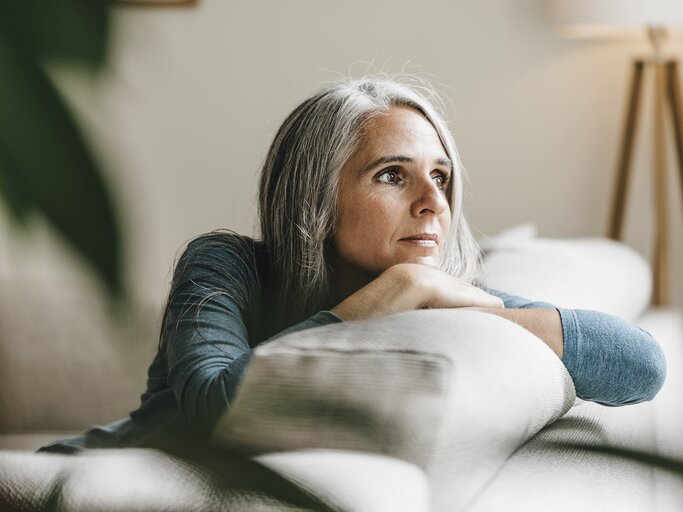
<point>445,291</point>
<point>409,286</point>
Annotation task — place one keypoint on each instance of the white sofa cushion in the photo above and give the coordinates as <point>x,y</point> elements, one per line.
<point>585,273</point>
<point>147,480</point>
<point>543,476</point>
<point>453,391</point>
<point>357,481</point>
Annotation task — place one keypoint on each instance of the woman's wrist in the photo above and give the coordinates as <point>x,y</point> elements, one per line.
<point>410,290</point>
<point>545,323</point>
<point>394,290</point>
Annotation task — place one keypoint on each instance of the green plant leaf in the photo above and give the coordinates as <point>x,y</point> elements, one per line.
<point>74,30</point>
<point>14,197</point>
<point>46,165</point>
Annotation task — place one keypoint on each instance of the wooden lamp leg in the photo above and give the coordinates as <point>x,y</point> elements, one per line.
<point>621,185</point>
<point>676,108</point>
<point>673,91</point>
<point>661,245</point>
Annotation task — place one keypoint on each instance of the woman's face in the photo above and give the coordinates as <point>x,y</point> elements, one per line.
<point>393,197</point>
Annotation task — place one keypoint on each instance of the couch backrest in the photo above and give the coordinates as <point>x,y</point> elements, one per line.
<point>65,361</point>
<point>584,273</point>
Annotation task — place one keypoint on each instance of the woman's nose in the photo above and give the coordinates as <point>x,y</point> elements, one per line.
<point>429,199</point>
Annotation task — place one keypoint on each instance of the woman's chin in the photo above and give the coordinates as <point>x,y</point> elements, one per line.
<point>430,261</point>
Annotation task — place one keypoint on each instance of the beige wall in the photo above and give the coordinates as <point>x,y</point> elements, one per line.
<point>192,97</point>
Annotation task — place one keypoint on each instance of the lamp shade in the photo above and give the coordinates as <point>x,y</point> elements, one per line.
<point>610,18</point>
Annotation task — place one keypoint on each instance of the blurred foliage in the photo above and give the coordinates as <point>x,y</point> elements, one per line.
<point>46,165</point>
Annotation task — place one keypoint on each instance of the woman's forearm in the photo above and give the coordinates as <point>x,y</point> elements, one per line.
<point>545,323</point>
<point>392,292</point>
<point>611,361</point>
<point>408,286</point>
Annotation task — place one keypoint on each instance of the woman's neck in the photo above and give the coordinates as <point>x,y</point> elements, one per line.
<point>347,279</point>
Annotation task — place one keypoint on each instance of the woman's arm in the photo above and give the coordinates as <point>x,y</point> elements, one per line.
<point>545,323</point>
<point>205,336</point>
<point>405,287</point>
<point>611,361</point>
<point>208,351</point>
<point>206,345</point>
<point>409,286</point>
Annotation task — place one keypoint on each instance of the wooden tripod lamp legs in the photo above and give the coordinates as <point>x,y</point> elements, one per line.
<point>660,291</point>
<point>667,98</point>
<point>674,94</point>
<point>625,155</point>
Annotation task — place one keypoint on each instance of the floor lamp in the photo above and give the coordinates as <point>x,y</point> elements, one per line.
<point>607,18</point>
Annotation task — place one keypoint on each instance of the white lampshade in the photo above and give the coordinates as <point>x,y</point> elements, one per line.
<point>615,18</point>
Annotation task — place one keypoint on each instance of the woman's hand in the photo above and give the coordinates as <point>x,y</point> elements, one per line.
<point>409,286</point>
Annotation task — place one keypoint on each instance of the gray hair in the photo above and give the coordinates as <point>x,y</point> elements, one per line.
<point>299,184</point>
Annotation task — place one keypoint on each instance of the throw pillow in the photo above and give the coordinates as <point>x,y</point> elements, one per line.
<point>453,391</point>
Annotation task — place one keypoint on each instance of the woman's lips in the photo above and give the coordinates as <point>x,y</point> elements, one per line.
<point>419,242</point>
<point>422,240</point>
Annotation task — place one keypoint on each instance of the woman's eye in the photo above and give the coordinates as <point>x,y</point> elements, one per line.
<point>441,180</point>
<point>389,176</point>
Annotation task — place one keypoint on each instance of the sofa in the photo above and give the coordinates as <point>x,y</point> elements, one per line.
<point>431,410</point>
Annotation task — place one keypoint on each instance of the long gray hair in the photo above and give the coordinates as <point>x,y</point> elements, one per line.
<point>299,185</point>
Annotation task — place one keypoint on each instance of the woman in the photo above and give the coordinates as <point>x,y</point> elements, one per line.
<point>361,215</point>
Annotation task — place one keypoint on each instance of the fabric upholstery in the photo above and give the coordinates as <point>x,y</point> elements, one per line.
<point>66,361</point>
<point>453,391</point>
<point>544,476</point>
<point>355,480</point>
<point>147,480</point>
<point>585,273</point>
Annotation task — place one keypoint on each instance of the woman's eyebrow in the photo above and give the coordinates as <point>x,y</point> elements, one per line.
<point>402,158</point>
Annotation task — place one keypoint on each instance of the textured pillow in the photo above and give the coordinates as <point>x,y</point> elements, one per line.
<point>453,391</point>
<point>586,273</point>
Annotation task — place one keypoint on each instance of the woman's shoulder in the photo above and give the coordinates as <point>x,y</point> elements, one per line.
<point>222,240</point>
<point>219,254</point>
<point>224,267</point>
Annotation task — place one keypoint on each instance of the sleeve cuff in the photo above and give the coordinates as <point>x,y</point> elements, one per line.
<point>570,337</point>
<point>325,317</point>
<point>610,361</point>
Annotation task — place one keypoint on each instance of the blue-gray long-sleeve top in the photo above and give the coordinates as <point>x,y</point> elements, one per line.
<point>208,335</point>
<point>611,361</point>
